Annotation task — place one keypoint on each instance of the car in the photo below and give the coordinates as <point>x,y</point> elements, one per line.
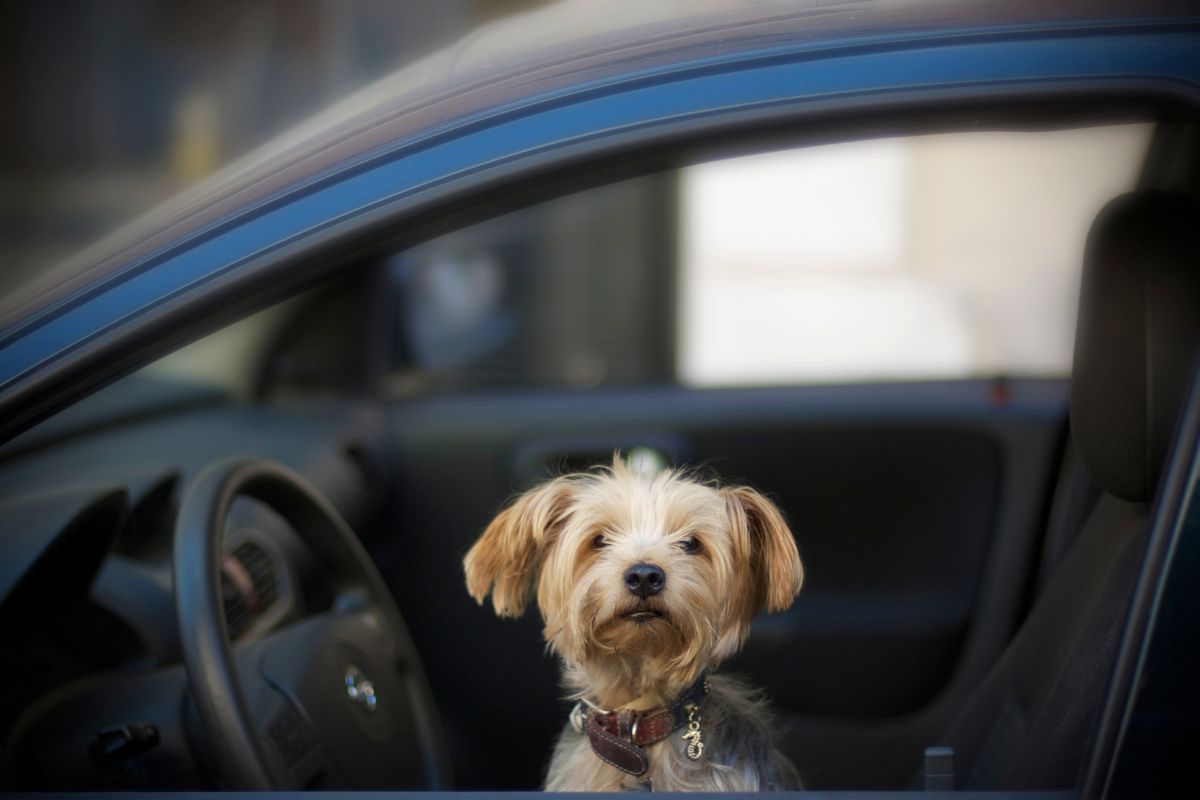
<point>248,438</point>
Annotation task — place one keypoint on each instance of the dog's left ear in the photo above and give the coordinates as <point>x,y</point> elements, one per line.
<point>505,559</point>
<point>760,528</point>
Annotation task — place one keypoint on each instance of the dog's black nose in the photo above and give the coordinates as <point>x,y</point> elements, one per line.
<point>645,580</point>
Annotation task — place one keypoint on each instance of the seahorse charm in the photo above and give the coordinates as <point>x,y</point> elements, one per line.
<point>695,746</point>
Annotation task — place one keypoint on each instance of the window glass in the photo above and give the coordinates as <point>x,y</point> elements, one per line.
<point>935,256</point>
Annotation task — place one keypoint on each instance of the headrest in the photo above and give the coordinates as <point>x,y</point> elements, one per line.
<point>1139,324</point>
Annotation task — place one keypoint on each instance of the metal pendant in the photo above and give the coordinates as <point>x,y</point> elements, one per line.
<point>695,747</point>
<point>577,717</point>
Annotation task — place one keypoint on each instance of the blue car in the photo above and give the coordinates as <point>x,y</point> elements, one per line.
<point>926,274</point>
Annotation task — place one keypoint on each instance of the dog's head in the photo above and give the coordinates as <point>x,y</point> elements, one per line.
<point>661,569</point>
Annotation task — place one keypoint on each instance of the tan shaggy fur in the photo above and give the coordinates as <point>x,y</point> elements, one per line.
<point>727,554</point>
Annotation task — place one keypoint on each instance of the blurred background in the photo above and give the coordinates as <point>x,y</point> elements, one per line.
<point>939,256</point>
<point>111,106</point>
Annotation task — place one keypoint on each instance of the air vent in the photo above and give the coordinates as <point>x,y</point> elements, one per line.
<point>249,586</point>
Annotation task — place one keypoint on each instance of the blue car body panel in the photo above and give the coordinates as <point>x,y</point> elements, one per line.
<point>861,72</point>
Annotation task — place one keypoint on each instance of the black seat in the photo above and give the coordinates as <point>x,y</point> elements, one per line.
<point>1030,722</point>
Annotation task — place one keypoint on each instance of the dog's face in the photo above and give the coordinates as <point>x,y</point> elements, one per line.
<point>662,571</point>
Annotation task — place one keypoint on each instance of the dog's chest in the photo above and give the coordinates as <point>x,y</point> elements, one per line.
<point>576,767</point>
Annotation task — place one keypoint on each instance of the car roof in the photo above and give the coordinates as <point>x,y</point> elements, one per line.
<point>566,46</point>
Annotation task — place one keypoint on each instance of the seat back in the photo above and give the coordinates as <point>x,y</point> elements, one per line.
<point>1030,721</point>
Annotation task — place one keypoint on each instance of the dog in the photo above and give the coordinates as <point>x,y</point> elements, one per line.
<point>646,582</point>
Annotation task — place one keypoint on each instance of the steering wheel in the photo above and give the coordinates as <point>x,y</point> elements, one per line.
<point>338,698</point>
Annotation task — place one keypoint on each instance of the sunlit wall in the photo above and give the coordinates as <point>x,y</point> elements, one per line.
<point>946,255</point>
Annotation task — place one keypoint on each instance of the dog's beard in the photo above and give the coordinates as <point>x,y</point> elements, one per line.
<point>644,629</point>
<point>627,648</point>
<point>617,647</point>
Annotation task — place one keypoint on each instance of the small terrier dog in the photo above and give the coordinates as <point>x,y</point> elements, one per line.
<point>646,582</point>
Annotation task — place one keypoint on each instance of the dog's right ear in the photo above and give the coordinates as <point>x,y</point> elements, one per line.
<point>505,559</point>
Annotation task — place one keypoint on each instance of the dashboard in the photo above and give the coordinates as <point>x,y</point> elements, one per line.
<point>87,515</point>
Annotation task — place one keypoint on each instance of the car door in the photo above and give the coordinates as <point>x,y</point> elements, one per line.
<point>874,332</point>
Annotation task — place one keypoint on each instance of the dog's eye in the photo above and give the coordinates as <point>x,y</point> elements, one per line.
<point>690,545</point>
<point>599,541</point>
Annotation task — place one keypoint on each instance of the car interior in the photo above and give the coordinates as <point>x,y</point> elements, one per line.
<point>185,551</point>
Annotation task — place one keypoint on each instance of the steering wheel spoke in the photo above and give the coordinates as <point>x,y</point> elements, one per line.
<point>294,755</point>
<point>335,699</point>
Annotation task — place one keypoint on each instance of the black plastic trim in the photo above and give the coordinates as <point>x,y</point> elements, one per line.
<point>1178,484</point>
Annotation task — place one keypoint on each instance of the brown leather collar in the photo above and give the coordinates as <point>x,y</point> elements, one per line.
<point>617,737</point>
